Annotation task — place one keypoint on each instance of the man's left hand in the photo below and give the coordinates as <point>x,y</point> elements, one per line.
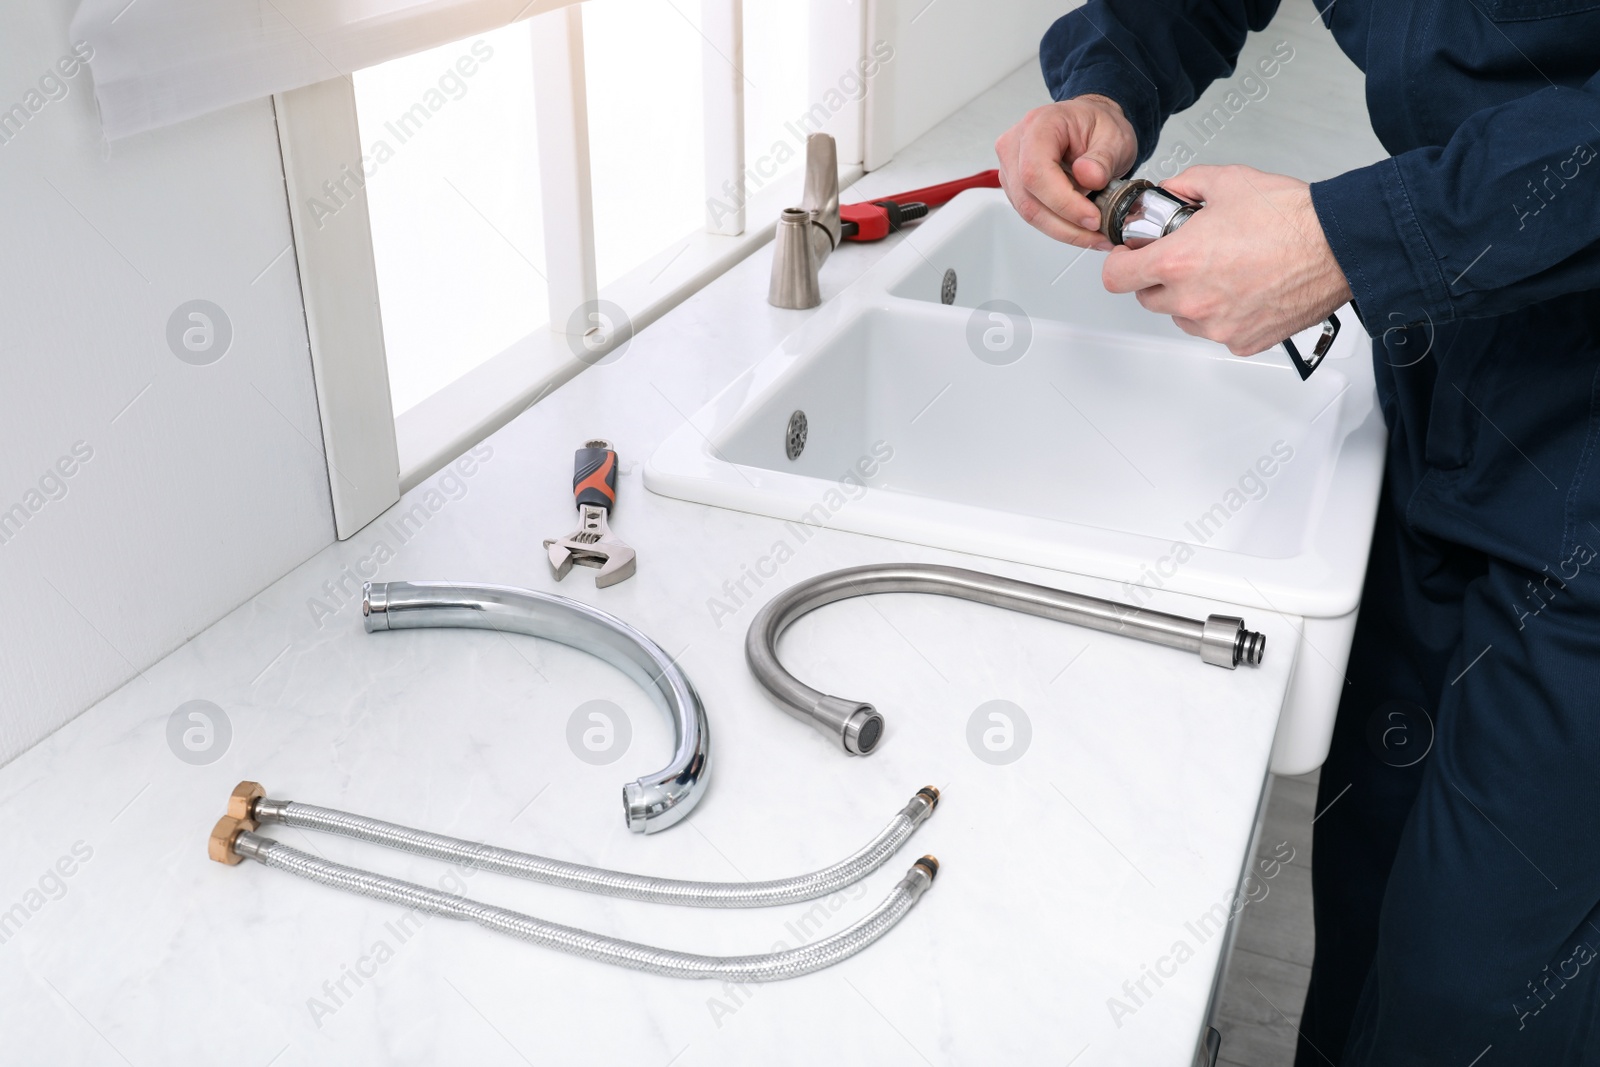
<point>1250,269</point>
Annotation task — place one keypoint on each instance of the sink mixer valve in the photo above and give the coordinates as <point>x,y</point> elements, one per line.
<point>1135,212</point>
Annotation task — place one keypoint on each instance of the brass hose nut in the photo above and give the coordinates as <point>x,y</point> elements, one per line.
<point>241,802</point>
<point>223,835</point>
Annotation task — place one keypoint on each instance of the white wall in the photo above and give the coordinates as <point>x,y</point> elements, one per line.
<point>203,483</point>
<point>946,52</point>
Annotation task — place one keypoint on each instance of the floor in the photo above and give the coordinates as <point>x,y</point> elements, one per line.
<point>1272,957</point>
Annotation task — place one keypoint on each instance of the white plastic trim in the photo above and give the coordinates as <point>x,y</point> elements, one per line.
<point>562,108</point>
<point>158,62</point>
<point>321,148</point>
<point>722,93</point>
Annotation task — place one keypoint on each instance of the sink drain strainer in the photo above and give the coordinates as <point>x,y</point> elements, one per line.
<point>947,287</point>
<point>794,439</point>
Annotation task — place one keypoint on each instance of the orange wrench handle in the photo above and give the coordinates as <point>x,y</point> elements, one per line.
<point>594,477</point>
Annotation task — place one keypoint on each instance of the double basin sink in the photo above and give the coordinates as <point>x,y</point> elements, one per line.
<point>979,390</point>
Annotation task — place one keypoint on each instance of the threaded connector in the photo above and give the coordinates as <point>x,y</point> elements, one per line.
<point>919,809</point>
<point>242,801</point>
<point>240,818</point>
<point>227,830</point>
<point>919,879</point>
<point>1224,642</point>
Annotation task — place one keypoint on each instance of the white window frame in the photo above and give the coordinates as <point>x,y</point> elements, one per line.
<point>373,457</point>
<point>318,137</point>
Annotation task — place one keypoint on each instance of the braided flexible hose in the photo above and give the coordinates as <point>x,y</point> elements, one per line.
<point>694,894</point>
<point>763,967</point>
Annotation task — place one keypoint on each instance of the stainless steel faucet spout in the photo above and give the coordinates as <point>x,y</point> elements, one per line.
<point>857,727</point>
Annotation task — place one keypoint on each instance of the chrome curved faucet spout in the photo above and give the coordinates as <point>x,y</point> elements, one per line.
<point>654,802</point>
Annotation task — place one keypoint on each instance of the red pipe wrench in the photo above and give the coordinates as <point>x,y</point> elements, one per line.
<point>877,219</point>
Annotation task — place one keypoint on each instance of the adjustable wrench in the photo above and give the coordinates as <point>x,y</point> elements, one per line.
<point>592,544</point>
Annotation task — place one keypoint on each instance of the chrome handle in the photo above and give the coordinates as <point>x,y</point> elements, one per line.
<point>1330,332</point>
<point>821,197</point>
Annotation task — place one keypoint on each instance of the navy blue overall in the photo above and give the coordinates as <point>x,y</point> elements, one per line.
<point>1457,853</point>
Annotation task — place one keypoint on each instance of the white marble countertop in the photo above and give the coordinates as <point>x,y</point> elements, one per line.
<point>1067,875</point>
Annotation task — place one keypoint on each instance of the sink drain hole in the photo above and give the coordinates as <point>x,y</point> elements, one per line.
<point>947,287</point>
<point>794,440</point>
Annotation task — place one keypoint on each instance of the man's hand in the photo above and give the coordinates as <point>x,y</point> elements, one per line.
<point>1249,270</point>
<point>1059,152</point>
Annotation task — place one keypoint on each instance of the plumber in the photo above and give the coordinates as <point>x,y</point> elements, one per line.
<point>1472,256</point>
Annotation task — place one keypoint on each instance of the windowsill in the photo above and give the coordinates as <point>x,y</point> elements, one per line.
<point>477,404</point>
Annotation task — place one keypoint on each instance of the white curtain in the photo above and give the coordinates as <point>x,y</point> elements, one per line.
<point>156,62</point>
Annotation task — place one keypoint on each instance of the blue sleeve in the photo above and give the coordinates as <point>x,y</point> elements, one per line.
<point>1153,57</point>
<point>1504,215</point>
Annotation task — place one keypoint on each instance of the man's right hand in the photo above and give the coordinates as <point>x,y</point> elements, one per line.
<point>1056,155</point>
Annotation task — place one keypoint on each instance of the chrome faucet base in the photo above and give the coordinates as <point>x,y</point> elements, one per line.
<point>808,234</point>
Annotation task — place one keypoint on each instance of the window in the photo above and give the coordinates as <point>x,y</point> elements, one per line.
<point>616,154</point>
<point>450,148</point>
<point>777,88</point>
<point>646,128</point>
<point>491,191</point>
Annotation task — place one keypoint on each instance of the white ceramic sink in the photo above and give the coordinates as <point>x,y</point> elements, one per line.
<point>1114,445</point>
